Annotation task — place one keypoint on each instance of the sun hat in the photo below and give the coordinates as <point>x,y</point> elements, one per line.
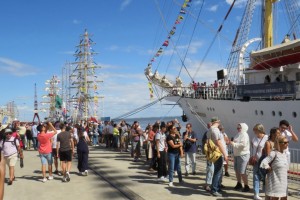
<point>214,120</point>
<point>8,130</point>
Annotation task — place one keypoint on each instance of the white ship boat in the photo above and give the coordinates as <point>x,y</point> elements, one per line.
<point>265,91</point>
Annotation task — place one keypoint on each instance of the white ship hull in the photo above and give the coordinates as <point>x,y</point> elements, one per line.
<point>232,112</point>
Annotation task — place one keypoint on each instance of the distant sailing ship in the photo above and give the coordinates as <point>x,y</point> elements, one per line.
<point>9,113</point>
<point>265,91</point>
<point>82,82</point>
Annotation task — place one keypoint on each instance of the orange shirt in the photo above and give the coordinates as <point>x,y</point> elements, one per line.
<point>45,143</point>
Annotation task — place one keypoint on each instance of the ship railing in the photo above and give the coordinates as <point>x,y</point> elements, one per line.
<point>222,92</point>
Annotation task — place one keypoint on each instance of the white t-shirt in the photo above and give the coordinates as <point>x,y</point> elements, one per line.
<point>222,138</point>
<point>75,134</point>
<point>34,131</point>
<point>288,136</point>
<point>162,140</point>
<point>54,139</point>
<point>257,146</point>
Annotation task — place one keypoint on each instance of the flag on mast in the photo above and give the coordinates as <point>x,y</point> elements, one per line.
<point>151,90</point>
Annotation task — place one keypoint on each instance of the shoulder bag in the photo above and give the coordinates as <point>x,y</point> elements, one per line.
<point>253,159</point>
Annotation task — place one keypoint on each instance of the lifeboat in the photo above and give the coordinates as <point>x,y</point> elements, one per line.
<point>276,56</point>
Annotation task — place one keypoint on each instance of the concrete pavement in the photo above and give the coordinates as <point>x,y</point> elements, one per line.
<point>28,184</point>
<point>113,175</point>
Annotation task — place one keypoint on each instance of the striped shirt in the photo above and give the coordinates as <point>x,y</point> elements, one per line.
<point>276,180</point>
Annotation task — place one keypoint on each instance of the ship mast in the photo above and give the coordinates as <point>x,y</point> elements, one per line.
<point>53,99</point>
<point>84,80</point>
<point>36,114</point>
<point>268,23</point>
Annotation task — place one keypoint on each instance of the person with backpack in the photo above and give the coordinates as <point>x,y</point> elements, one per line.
<point>10,146</point>
<point>209,165</point>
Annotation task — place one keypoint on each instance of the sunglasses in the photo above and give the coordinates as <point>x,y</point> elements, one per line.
<point>283,142</point>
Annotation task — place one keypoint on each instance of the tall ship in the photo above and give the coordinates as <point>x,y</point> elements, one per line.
<point>258,85</point>
<point>81,86</point>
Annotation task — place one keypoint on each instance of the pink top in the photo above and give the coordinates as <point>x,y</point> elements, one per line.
<point>45,142</point>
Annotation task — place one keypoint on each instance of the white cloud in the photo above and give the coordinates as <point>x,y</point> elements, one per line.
<point>193,48</point>
<point>238,4</point>
<point>128,49</point>
<point>125,3</point>
<point>16,68</point>
<point>76,21</point>
<point>67,52</point>
<point>197,2</point>
<point>213,8</point>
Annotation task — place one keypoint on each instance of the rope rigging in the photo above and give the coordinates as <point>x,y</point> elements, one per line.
<point>137,110</point>
<point>191,41</point>
<point>214,39</point>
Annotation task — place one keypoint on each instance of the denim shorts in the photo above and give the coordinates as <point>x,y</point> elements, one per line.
<point>46,158</point>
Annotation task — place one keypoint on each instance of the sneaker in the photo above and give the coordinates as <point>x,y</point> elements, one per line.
<point>227,174</point>
<point>194,173</point>
<point>175,173</point>
<point>256,197</point>
<point>216,194</point>
<point>59,173</point>
<point>171,184</point>
<point>68,176</point>
<point>55,172</point>
<point>238,186</point>
<point>44,180</point>
<point>207,188</point>
<point>186,174</point>
<point>86,172</point>
<point>162,179</point>
<point>50,178</point>
<point>9,183</point>
<point>246,189</point>
<point>64,179</point>
<point>222,186</point>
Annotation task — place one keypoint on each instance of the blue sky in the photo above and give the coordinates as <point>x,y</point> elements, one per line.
<point>38,37</point>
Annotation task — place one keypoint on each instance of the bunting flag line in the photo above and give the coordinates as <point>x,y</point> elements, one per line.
<point>150,90</point>
<point>183,11</point>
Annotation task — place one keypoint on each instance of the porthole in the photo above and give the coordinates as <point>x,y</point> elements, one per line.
<point>273,113</point>
<point>294,114</point>
<point>256,112</point>
<point>233,111</point>
<point>262,112</point>
<point>280,113</point>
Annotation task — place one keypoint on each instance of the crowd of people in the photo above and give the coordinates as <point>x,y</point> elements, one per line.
<point>56,143</point>
<point>164,144</point>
